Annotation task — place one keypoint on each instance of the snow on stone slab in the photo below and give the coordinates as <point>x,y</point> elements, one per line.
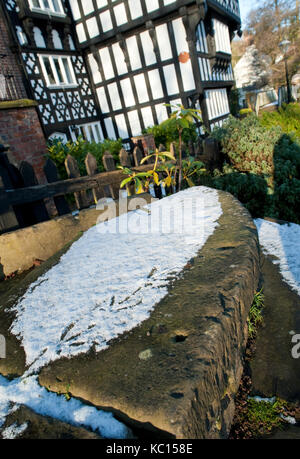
<point>111,279</point>
<point>28,392</point>
<point>283,243</point>
<point>14,431</point>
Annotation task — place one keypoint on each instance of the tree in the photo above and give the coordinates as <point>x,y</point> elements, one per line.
<point>269,24</point>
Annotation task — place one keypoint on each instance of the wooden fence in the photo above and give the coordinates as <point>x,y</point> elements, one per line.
<point>23,201</point>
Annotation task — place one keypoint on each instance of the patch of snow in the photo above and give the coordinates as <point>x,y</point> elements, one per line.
<point>289,419</point>
<point>107,284</point>
<point>263,400</point>
<point>14,431</point>
<point>4,410</point>
<point>29,393</point>
<point>283,243</point>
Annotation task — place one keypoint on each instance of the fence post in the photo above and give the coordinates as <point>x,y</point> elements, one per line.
<point>124,158</point>
<point>211,152</point>
<point>92,169</point>
<point>37,208</point>
<point>74,172</point>
<point>109,166</point>
<point>8,220</point>
<point>52,176</point>
<point>138,156</point>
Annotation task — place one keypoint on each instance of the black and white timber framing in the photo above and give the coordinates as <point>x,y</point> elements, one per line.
<point>106,68</point>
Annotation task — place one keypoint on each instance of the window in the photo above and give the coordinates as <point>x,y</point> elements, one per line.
<point>222,37</point>
<point>21,36</point>
<point>47,6</point>
<point>58,70</point>
<point>90,132</point>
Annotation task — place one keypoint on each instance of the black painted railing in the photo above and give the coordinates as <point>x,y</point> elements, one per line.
<point>232,6</point>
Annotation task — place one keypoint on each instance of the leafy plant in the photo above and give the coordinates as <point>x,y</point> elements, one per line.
<point>164,172</point>
<point>166,133</point>
<point>142,180</point>
<point>190,169</point>
<point>135,179</point>
<point>168,171</point>
<point>255,318</point>
<point>183,118</point>
<point>58,152</point>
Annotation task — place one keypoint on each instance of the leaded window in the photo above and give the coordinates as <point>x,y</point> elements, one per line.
<point>58,70</point>
<point>47,6</point>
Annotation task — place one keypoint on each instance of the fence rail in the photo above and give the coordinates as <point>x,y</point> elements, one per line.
<point>23,200</point>
<point>64,187</point>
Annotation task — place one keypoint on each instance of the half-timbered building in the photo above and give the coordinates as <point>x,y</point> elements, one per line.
<point>106,68</point>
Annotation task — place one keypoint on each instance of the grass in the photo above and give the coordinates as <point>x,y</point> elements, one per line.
<point>287,117</point>
<point>264,417</point>
<point>255,318</point>
<point>254,418</point>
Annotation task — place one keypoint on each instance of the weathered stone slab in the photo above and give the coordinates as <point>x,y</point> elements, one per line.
<point>45,428</point>
<point>177,373</point>
<point>274,370</point>
<point>10,292</point>
<point>19,249</point>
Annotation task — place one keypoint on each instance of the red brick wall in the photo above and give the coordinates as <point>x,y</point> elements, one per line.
<point>10,64</point>
<point>20,128</point>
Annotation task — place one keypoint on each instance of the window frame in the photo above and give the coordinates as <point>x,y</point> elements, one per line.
<point>58,83</point>
<point>50,10</point>
<point>87,136</point>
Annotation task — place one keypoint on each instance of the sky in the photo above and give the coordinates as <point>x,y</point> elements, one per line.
<point>246,6</point>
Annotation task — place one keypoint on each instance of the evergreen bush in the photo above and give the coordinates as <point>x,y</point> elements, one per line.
<point>263,169</point>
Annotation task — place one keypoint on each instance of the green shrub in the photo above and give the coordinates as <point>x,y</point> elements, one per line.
<point>234,101</point>
<point>58,152</point>
<point>285,204</point>
<point>248,145</point>
<point>264,168</point>
<point>287,117</point>
<point>167,132</point>
<point>250,189</point>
